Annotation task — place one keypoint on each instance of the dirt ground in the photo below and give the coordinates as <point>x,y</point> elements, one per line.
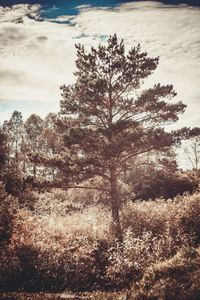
<point>63,296</point>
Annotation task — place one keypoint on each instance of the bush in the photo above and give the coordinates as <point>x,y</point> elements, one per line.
<point>7,211</point>
<point>177,278</point>
<point>28,199</point>
<point>161,184</point>
<point>13,179</point>
<point>178,218</point>
<point>128,260</point>
<point>56,202</point>
<point>10,268</point>
<point>50,260</point>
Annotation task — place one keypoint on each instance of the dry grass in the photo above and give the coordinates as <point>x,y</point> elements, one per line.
<point>92,221</point>
<point>79,251</point>
<point>177,278</point>
<point>177,217</point>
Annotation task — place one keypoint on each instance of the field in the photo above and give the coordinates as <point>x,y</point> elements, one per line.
<point>75,256</point>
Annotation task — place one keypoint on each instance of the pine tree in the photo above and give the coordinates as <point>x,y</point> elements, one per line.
<point>106,119</point>
<point>3,149</point>
<point>14,129</point>
<point>33,128</point>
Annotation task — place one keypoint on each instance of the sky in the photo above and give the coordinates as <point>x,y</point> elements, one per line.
<point>37,50</point>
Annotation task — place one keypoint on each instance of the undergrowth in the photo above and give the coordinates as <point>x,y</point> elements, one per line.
<point>79,252</point>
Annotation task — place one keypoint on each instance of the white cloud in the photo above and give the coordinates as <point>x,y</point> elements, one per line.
<point>37,56</point>
<point>42,53</point>
<point>83,6</point>
<point>17,13</point>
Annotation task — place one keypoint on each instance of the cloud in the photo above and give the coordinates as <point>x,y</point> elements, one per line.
<point>170,32</point>
<point>83,6</point>
<point>68,19</point>
<point>17,13</point>
<point>10,76</point>
<point>42,53</point>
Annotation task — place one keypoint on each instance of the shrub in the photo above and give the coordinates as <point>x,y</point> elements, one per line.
<point>166,185</point>
<point>28,199</point>
<point>13,179</point>
<point>188,219</point>
<point>127,261</point>
<point>10,269</point>
<point>90,196</point>
<point>56,202</point>
<point>50,260</point>
<point>177,278</point>
<point>7,211</point>
<point>178,218</point>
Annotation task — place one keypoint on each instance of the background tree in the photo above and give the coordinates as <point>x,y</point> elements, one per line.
<point>7,203</point>
<point>14,129</point>
<point>3,149</point>
<point>158,183</point>
<point>12,173</point>
<point>49,142</point>
<point>192,153</point>
<point>8,207</point>
<point>49,120</point>
<point>33,127</point>
<point>107,120</point>
<point>45,152</point>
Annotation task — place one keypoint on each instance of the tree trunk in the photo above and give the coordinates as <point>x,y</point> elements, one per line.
<point>115,201</point>
<point>34,170</point>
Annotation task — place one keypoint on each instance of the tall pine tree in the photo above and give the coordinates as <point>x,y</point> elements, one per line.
<point>105,117</point>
